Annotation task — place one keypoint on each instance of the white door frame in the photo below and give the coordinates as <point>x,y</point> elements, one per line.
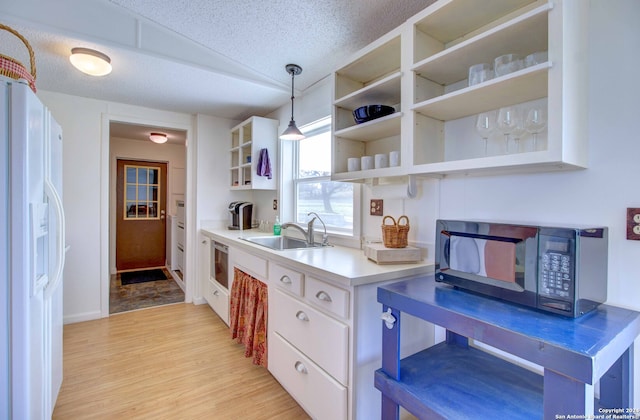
<point>107,234</point>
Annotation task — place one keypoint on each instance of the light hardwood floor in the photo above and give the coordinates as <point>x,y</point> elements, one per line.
<point>170,362</point>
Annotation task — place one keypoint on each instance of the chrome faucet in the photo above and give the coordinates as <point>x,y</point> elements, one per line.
<point>307,237</point>
<point>308,234</point>
<point>325,238</point>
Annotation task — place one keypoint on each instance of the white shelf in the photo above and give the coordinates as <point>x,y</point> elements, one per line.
<point>525,34</point>
<point>521,86</point>
<point>368,174</point>
<point>385,91</point>
<point>373,130</point>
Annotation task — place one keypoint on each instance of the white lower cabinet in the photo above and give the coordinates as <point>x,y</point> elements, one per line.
<point>309,345</point>
<point>218,298</point>
<point>321,396</point>
<point>323,339</point>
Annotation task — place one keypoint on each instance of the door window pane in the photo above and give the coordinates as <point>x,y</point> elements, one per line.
<point>142,192</point>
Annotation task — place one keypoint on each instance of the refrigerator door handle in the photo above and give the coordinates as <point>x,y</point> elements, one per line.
<point>60,235</point>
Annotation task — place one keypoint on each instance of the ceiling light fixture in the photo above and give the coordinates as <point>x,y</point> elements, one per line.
<point>292,132</point>
<point>158,138</point>
<point>91,62</point>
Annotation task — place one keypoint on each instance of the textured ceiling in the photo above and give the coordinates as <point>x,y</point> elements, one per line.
<point>221,58</point>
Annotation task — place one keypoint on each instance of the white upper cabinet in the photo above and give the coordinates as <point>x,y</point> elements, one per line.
<point>435,126</point>
<point>248,139</point>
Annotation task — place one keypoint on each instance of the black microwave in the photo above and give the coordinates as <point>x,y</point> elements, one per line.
<point>562,270</point>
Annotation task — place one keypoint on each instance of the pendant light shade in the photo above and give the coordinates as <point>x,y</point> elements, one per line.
<point>158,138</point>
<point>91,62</point>
<point>292,132</point>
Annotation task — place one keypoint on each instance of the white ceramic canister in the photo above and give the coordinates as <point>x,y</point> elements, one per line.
<point>353,164</point>
<point>381,160</point>
<point>394,158</point>
<point>366,162</point>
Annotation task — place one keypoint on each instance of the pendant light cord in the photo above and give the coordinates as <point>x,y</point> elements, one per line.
<point>293,73</point>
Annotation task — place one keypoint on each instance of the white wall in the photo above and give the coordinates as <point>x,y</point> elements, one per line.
<point>86,193</point>
<point>212,187</point>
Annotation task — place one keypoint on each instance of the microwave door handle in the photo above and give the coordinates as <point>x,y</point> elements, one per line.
<point>447,251</point>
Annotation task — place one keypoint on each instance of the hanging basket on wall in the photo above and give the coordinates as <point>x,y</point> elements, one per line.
<point>13,68</point>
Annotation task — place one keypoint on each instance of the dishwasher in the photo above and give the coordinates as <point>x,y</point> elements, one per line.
<point>220,263</point>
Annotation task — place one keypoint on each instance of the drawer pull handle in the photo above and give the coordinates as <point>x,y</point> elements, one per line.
<point>323,296</point>
<point>302,316</point>
<point>285,279</point>
<point>216,293</point>
<point>300,367</point>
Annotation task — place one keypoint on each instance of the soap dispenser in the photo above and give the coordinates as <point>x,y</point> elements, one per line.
<point>276,227</point>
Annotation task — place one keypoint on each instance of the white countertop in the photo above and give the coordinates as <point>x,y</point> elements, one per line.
<point>338,264</point>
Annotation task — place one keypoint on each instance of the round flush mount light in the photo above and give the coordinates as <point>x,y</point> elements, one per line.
<point>91,62</point>
<point>158,138</point>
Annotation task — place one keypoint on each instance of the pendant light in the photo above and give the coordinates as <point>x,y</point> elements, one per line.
<point>158,138</point>
<point>91,62</point>
<point>292,132</point>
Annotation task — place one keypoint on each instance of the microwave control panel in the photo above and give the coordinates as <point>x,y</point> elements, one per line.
<point>556,271</point>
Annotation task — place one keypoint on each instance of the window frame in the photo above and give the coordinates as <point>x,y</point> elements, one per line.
<point>309,130</point>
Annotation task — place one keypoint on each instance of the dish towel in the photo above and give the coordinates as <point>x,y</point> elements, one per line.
<point>264,165</point>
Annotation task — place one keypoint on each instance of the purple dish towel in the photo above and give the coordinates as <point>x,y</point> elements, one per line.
<point>264,165</point>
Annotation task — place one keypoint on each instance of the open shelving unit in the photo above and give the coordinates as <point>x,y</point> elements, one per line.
<point>422,67</point>
<point>247,140</point>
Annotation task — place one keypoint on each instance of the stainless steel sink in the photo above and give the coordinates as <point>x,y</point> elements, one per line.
<point>280,243</point>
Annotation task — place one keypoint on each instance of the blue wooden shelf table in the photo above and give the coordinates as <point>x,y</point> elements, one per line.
<point>456,380</point>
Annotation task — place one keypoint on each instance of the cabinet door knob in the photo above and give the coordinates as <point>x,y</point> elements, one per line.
<point>216,293</point>
<point>323,296</point>
<point>302,316</point>
<point>300,367</point>
<point>285,279</point>
<point>204,242</point>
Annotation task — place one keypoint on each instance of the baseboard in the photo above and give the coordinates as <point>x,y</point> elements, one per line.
<point>87,316</point>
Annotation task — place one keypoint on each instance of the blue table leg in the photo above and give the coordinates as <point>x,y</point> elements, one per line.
<point>564,396</point>
<point>391,362</point>
<point>616,386</point>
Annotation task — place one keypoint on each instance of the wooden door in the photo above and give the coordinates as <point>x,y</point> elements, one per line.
<point>140,214</point>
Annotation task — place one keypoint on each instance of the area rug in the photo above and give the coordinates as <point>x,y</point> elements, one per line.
<point>143,276</point>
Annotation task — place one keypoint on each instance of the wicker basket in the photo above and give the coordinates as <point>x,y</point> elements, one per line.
<point>14,69</point>
<point>395,235</point>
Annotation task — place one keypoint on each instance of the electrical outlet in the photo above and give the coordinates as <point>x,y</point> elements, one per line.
<point>376,208</point>
<point>275,204</point>
<point>633,224</point>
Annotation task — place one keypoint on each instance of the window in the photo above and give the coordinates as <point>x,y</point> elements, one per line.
<point>141,192</point>
<point>313,189</point>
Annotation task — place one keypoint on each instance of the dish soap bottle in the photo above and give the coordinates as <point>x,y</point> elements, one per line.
<point>276,227</point>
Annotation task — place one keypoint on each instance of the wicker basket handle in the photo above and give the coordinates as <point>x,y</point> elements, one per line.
<point>406,221</point>
<point>384,220</point>
<point>32,57</point>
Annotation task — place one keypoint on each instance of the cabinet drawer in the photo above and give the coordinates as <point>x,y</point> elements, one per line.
<point>250,264</point>
<point>180,234</point>
<point>218,299</point>
<point>286,278</point>
<point>320,337</point>
<point>327,296</point>
<point>319,394</point>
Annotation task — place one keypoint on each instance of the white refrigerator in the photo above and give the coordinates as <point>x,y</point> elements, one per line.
<point>32,254</point>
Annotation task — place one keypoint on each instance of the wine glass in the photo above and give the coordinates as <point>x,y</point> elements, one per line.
<point>518,130</point>
<point>535,122</point>
<point>485,124</point>
<point>507,122</point>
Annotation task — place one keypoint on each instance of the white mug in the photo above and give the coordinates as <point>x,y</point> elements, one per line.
<point>366,162</point>
<point>381,160</point>
<point>353,164</point>
<point>394,158</point>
